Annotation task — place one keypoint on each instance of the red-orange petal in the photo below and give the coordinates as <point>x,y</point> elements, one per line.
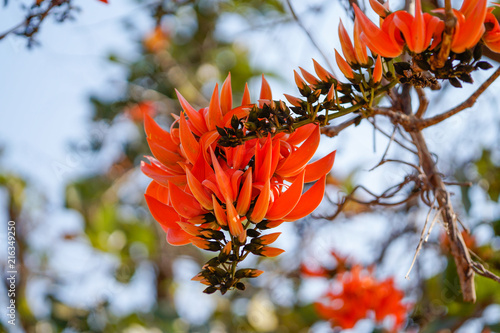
<point>298,80</point>
<point>344,66</point>
<point>161,175</point>
<point>359,46</point>
<point>226,96</point>
<point>262,203</point>
<point>377,71</point>
<point>220,214</point>
<point>297,160</point>
<point>245,194</point>
<point>293,100</point>
<point>184,204</point>
<point>265,93</point>
<point>168,158</point>
<point>378,8</point>
<point>265,90</point>
<point>190,145</point>
<point>319,168</point>
<point>323,74</point>
<point>233,219</point>
<point>246,96</point>
<point>165,215</point>
<point>301,134</point>
<point>222,178</point>
<point>195,117</point>
<point>346,44</point>
<point>268,251</point>
<point>308,76</point>
<point>285,203</point>
<point>214,114</point>
<point>198,191</point>
<point>376,39</point>
<point>309,201</point>
<point>157,134</point>
<point>263,159</point>
<point>178,237</point>
<point>189,228</point>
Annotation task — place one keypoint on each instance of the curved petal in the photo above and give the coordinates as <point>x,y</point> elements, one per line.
<point>301,134</point>
<point>359,46</point>
<point>346,44</point>
<point>198,191</point>
<point>288,200</point>
<point>298,159</point>
<point>189,143</point>
<point>184,204</point>
<point>233,219</point>
<point>377,71</point>
<point>194,116</point>
<point>168,158</point>
<point>323,74</point>
<point>220,214</point>
<point>378,8</point>
<point>344,66</point>
<point>245,194</point>
<point>265,90</point>
<point>246,96</point>
<point>319,168</point>
<point>261,205</point>
<point>178,237</point>
<point>308,76</point>
<point>214,111</point>
<point>157,173</point>
<point>165,215</point>
<point>226,95</point>
<point>309,201</point>
<point>376,39</point>
<point>157,134</point>
<point>222,178</point>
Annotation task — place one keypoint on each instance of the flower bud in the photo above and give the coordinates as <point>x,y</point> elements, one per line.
<point>247,273</point>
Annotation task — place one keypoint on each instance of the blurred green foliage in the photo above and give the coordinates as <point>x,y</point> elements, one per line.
<point>192,58</point>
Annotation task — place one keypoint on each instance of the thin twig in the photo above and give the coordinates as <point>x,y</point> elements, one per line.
<point>332,131</point>
<point>422,238</point>
<point>479,269</point>
<point>309,35</point>
<point>395,140</point>
<point>423,103</point>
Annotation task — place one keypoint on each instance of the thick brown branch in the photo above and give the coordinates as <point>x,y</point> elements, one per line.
<point>469,102</point>
<point>458,248</point>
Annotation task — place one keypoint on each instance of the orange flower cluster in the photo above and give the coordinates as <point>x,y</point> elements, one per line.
<point>360,297</point>
<point>200,187</point>
<point>423,31</point>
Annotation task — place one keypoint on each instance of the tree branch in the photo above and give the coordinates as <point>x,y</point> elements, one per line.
<point>458,248</point>
<point>332,131</point>
<point>469,102</point>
